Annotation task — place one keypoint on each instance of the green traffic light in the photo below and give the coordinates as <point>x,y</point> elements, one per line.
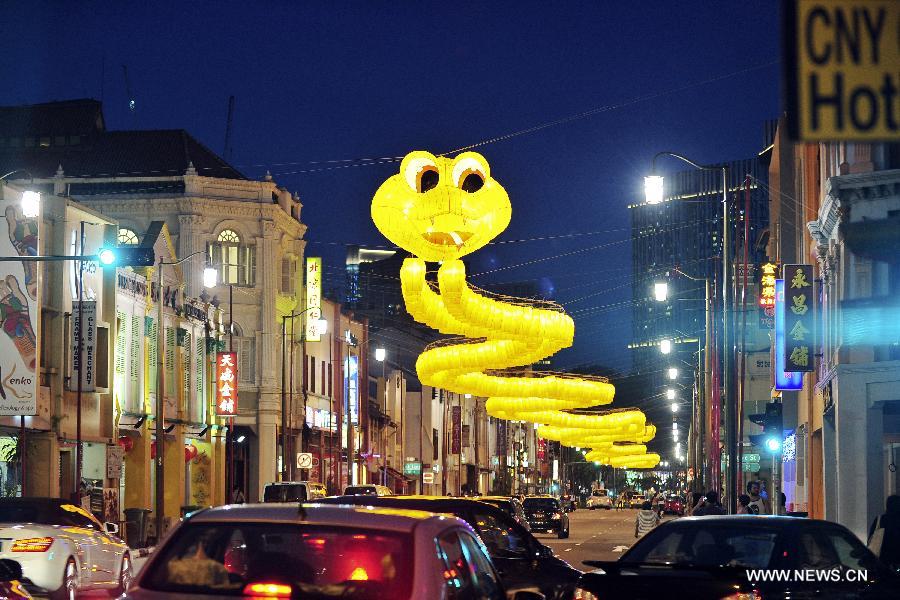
<point>773,445</point>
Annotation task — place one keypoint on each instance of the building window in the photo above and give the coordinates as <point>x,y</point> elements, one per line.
<point>127,237</point>
<point>288,270</point>
<point>246,349</point>
<point>236,262</point>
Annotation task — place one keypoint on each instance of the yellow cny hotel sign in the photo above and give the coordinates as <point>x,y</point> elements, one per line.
<point>842,68</point>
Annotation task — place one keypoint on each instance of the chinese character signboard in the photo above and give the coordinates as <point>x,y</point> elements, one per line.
<point>455,441</point>
<point>313,298</point>
<point>226,384</point>
<point>783,380</point>
<point>841,69</point>
<point>88,345</point>
<point>351,388</point>
<point>798,318</point>
<point>768,272</point>
<point>18,311</point>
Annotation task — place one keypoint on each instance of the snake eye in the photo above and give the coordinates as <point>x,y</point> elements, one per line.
<point>468,175</point>
<point>421,175</point>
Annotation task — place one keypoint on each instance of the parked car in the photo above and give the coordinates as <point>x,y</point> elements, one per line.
<point>637,500</point>
<point>599,499</point>
<point>511,505</point>
<point>712,556</point>
<point>520,558</point>
<point>674,505</point>
<point>545,513</point>
<point>314,551</point>
<point>367,490</point>
<point>11,576</point>
<point>293,491</point>
<point>62,548</point>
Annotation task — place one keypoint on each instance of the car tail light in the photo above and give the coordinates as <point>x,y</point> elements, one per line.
<point>751,595</point>
<point>583,594</point>
<point>267,590</point>
<point>40,544</point>
<point>359,574</point>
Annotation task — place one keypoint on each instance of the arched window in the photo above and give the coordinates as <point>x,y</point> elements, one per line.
<point>236,262</point>
<point>127,237</point>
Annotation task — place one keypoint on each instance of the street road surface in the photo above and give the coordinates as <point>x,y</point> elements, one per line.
<point>594,535</point>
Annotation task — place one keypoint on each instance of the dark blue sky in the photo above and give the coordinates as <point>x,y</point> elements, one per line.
<point>343,81</point>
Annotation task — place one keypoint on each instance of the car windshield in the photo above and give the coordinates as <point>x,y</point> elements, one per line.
<point>706,545</point>
<point>532,504</point>
<point>600,493</point>
<point>44,514</point>
<point>284,493</point>
<point>223,559</point>
<point>360,490</point>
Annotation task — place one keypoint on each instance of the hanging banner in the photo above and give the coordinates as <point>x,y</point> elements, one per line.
<point>313,298</point>
<point>455,441</point>
<point>768,272</point>
<point>798,318</point>
<point>18,310</point>
<point>88,346</point>
<point>226,384</point>
<point>351,388</point>
<point>783,380</point>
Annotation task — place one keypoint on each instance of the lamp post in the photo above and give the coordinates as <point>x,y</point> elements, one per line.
<point>654,190</point>
<point>321,327</point>
<point>381,356</point>
<point>209,280</point>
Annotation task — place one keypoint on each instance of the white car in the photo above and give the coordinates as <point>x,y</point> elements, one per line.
<point>316,551</point>
<point>62,548</point>
<point>599,499</point>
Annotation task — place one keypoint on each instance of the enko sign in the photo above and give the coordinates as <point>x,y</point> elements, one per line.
<point>841,70</point>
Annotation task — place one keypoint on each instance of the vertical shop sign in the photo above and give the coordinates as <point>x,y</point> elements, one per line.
<point>88,345</point>
<point>455,442</point>
<point>798,318</point>
<point>784,381</point>
<point>226,384</point>
<point>313,298</point>
<point>768,272</point>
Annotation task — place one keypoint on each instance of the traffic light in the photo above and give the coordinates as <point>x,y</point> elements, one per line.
<point>773,428</point>
<point>126,256</point>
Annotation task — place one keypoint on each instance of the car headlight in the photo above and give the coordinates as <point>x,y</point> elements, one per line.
<point>583,594</point>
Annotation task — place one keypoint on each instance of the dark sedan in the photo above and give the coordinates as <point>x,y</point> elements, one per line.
<point>545,513</point>
<point>746,557</point>
<point>520,559</point>
<point>511,505</point>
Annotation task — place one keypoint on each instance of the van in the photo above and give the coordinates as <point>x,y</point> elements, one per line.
<point>367,490</point>
<point>293,491</point>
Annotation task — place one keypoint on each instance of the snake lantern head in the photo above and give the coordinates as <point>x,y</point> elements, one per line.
<point>441,208</point>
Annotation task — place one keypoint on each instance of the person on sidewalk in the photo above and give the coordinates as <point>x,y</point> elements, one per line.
<point>711,506</point>
<point>646,519</point>
<point>884,534</point>
<point>743,503</point>
<point>758,505</point>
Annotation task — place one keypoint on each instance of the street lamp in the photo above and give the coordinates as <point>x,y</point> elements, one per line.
<point>380,354</point>
<point>661,291</point>
<point>654,191</point>
<point>161,383</point>
<point>674,407</point>
<point>670,394</point>
<point>665,346</point>
<point>31,204</point>
<point>673,373</point>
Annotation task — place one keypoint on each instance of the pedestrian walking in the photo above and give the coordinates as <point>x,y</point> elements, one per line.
<point>757,504</point>
<point>646,519</point>
<point>884,534</point>
<point>710,505</point>
<point>695,499</point>
<point>743,501</point>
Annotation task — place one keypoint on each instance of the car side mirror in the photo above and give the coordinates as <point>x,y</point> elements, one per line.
<point>545,551</point>
<point>10,570</point>
<point>111,528</point>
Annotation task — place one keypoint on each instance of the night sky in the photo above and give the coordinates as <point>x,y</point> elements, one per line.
<point>319,87</point>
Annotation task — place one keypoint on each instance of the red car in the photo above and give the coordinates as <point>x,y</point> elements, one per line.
<point>674,505</point>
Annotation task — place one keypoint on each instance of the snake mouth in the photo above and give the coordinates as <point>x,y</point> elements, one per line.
<point>447,238</point>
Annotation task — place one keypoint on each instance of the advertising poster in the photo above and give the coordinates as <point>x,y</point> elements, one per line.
<point>18,311</point>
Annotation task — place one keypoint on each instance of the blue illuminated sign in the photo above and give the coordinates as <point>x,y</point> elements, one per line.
<point>783,381</point>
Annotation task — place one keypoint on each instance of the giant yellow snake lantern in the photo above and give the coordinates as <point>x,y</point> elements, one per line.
<point>441,209</point>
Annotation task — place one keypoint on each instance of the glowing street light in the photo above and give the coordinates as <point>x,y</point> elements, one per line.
<point>661,291</point>
<point>674,407</point>
<point>665,346</point>
<point>673,373</point>
<point>31,204</point>
<point>670,394</point>
<point>380,354</point>
<point>210,276</point>
<point>653,189</point>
